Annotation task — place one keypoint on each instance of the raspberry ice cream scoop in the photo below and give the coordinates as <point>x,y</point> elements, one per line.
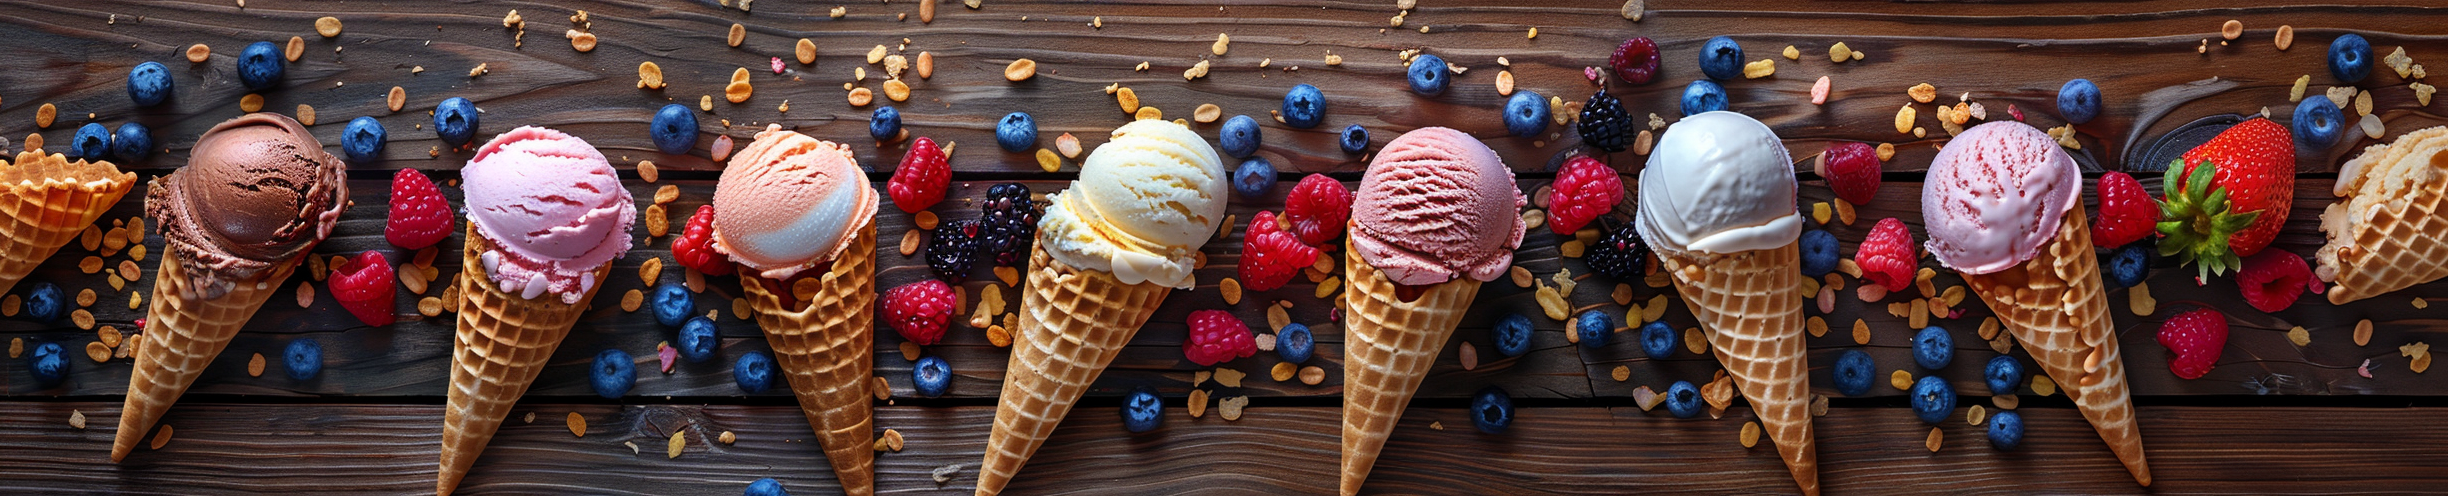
<point>788,202</point>
<point>1995,194</point>
<point>552,207</point>
<point>1718,182</point>
<point>1436,205</point>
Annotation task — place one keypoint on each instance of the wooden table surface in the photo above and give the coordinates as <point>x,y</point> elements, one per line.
<point>2328,416</point>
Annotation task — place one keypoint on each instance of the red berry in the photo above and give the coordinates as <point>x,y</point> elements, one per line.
<point>2126,213</point>
<point>920,311</point>
<point>1217,336</point>
<point>1583,190</point>
<point>2273,279</point>
<point>1852,169</point>
<point>2197,338</point>
<point>364,286</point>
<point>1636,61</point>
<point>919,182</point>
<point>1270,256</point>
<point>1317,207</point>
<point>695,248</point>
<point>1887,256</point>
<point>419,216</point>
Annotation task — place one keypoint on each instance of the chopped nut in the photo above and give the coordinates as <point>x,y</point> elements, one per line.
<point>2232,29</point>
<point>396,99</point>
<point>327,26</point>
<point>295,49</point>
<point>1923,92</point>
<point>650,76</point>
<point>1206,113</point>
<point>1904,119</point>
<point>1840,53</point>
<point>1020,70</point>
<point>198,53</point>
<point>1759,69</point>
<point>1222,42</point>
<point>2286,37</point>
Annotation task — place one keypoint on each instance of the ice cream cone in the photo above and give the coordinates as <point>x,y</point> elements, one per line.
<point>1390,345</point>
<point>183,333</point>
<point>825,344</point>
<point>2055,305</point>
<point>47,201</point>
<point>2389,228</point>
<point>503,341</point>
<point>1072,322</point>
<point>1753,319</point>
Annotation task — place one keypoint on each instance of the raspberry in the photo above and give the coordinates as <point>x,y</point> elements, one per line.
<point>919,182</point>
<point>1604,123</point>
<point>953,251</point>
<point>1270,256</point>
<point>419,215</point>
<point>1010,224</point>
<point>1584,189</point>
<point>1317,208</point>
<point>2272,279</point>
<point>920,311</point>
<point>2126,212</point>
<point>364,286</point>
<point>1887,256</point>
<point>1636,61</point>
<point>2197,338</point>
<point>695,249</point>
<point>1217,336</point>
<point>1621,255</point>
<point>1852,169</point>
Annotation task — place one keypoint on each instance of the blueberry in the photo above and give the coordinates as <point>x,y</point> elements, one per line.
<point>1853,371</point>
<point>2078,101</point>
<point>455,121</point>
<point>1254,179</point>
<point>1355,139</point>
<point>2319,123</point>
<point>45,303</point>
<point>149,84</point>
<point>133,142</point>
<point>1703,96</point>
<point>1683,400</point>
<point>1595,326</point>
<point>1304,107</point>
<point>364,140</point>
<point>2005,430</point>
<point>1492,410</point>
<point>931,376</point>
<point>1657,340</point>
<point>754,372</point>
<point>1933,348</point>
<point>1294,344</point>
<point>304,359</point>
<point>49,364</point>
<point>1511,334</point>
<point>259,66</point>
<point>675,129</point>
<point>697,340</point>
<point>613,373</point>
<point>1818,253</point>
<point>2005,374</point>
<point>1428,75</point>
<point>92,142</point>
<point>1143,410</point>
<point>2129,265</point>
<point>672,304</point>
<point>765,487</point>
<point>885,124</point>
<point>1933,399</point>
<point>1721,58</point>
<point>1016,132</point>
<point>1240,136</point>
<point>2350,58</point>
<point>1525,114</point>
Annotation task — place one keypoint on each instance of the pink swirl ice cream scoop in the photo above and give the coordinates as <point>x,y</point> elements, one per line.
<point>1435,205</point>
<point>1995,194</point>
<point>553,208</point>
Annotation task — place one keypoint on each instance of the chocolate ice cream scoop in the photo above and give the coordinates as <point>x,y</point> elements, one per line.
<point>257,191</point>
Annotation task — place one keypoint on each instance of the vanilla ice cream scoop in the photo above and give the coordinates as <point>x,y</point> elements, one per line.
<point>1995,194</point>
<point>1718,182</point>
<point>1143,204</point>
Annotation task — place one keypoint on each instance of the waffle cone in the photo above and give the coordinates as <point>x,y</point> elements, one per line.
<point>1389,345</point>
<point>2055,304</point>
<point>183,332</point>
<point>1072,322</point>
<point>46,202</point>
<point>1746,302</point>
<point>503,341</point>
<point>2389,229</point>
<point>825,344</point>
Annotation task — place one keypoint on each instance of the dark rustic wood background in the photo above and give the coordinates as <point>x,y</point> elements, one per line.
<point>2272,418</point>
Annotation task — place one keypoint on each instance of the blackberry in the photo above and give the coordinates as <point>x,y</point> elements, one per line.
<point>1620,255</point>
<point>1010,224</point>
<point>1604,122</point>
<point>953,250</point>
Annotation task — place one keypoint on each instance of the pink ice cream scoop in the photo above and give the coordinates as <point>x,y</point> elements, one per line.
<point>553,209</point>
<point>1435,205</point>
<point>1995,194</point>
<point>788,202</point>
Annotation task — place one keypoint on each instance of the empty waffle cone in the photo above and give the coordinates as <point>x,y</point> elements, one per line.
<point>503,341</point>
<point>183,332</point>
<point>1389,345</point>
<point>1072,322</point>
<point>2055,304</point>
<point>824,339</point>
<point>2389,228</point>
<point>1747,304</point>
<point>46,202</point>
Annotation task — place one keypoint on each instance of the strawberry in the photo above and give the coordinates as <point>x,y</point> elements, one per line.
<point>2273,279</point>
<point>419,216</point>
<point>364,286</point>
<point>2126,212</point>
<point>920,311</point>
<point>1270,256</point>
<point>919,182</point>
<point>695,246</point>
<point>1887,256</point>
<point>1852,169</point>
<point>2197,338</point>
<point>1583,190</point>
<point>2227,197</point>
<point>1317,208</point>
<point>1217,336</point>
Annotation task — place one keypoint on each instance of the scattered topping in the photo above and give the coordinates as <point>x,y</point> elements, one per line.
<point>2286,37</point>
<point>198,53</point>
<point>1019,70</point>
